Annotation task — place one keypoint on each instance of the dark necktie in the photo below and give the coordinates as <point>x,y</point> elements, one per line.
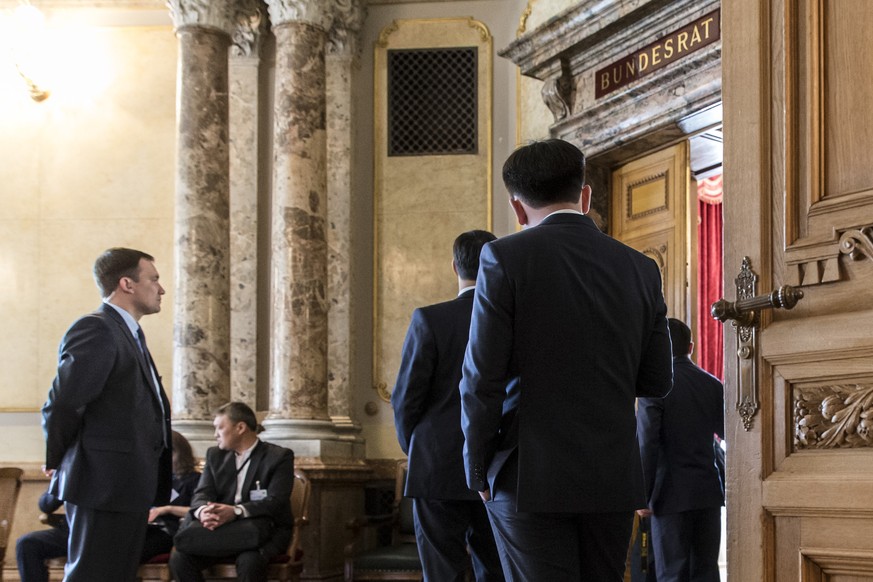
<point>140,337</point>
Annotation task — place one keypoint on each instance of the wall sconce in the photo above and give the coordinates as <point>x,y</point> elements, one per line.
<point>28,42</point>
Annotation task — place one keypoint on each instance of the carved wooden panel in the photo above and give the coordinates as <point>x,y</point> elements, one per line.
<point>829,417</point>
<point>829,126</point>
<point>834,565</point>
<point>649,213</point>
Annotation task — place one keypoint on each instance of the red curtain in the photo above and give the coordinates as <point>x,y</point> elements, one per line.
<point>709,342</point>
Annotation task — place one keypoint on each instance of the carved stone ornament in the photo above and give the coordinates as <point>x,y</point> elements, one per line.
<point>249,30</point>
<point>554,99</point>
<point>348,19</point>
<point>832,417</point>
<point>203,13</point>
<point>315,12</point>
<point>558,93</point>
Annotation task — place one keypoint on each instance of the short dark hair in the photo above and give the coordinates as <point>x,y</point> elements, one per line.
<point>680,337</point>
<point>466,251</point>
<point>240,412</point>
<point>114,264</point>
<point>183,456</point>
<point>545,172</point>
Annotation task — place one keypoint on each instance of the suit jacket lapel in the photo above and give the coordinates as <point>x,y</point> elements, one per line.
<point>225,476</point>
<point>133,345</point>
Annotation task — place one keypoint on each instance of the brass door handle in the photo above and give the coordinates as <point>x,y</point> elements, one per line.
<point>743,310</point>
<point>744,314</point>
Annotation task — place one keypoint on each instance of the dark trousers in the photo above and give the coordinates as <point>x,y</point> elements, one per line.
<point>34,548</point>
<point>556,547</point>
<point>104,545</point>
<point>686,545</point>
<point>443,529</point>
<point>251,566</point>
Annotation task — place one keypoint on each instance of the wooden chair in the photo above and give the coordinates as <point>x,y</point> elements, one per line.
<point>10,487</point>
<point>398,561</point>
<point>288,566</point>
<point>284,567</point>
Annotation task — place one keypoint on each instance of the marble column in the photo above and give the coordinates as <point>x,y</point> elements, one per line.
<point>342,60</point>
<point>244,69</point>
<point>201,378</point>
<point>298,416</point>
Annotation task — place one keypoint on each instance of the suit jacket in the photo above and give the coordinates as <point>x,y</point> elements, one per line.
<point>427,403</point>
<point>574,321</point>
<point>676,440</point>
<point>103,421</point>
<point>272,467</point>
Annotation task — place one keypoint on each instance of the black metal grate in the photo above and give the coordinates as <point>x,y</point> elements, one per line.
<point>432,101</point>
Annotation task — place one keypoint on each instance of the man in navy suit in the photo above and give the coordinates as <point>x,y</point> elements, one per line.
<point>574,323</point>
<point>427,416</point>
<point>244,478</point>
<point>684,485</point>
<point>107,424</point>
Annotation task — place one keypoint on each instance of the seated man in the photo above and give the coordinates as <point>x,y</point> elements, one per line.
<point>34,548</point>
<point>244,478</point>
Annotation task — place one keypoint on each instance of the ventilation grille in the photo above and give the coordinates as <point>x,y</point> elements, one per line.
<point>432,101</point>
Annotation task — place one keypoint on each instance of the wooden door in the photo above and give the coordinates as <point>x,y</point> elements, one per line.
<point>798,126</point>
<point>649,201</point>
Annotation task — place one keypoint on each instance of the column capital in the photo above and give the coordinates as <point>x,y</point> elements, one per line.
<point>315,12</point>
<point>202,13</point>
<point>249,28</point>
<point>348,19</point>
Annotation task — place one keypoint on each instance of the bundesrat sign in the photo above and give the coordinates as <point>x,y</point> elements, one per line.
<point>657,55</point>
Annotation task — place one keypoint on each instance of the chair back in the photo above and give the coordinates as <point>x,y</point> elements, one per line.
<point>299,508</point>
<point>404,531</point>
<point>10,486</point>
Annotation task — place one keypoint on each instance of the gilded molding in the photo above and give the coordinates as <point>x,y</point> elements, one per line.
<point>522,21</point>
<point>348,19</point>
<point>484,33</point>
<point>315,12</point>
<point>833,417</point>
<point>386,32</point>
<point>249,30</point>
<point>659,255</point>
<point>665,175</point>
<point>202,13</point>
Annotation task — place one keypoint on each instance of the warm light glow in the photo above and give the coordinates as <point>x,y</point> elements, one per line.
<point>27,39</point>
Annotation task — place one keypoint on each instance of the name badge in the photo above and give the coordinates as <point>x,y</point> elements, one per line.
<point>258,494</point>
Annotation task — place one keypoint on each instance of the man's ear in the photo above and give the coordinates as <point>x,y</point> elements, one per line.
<point>586,199</point>
<point>454,267</point>
<point>520,212</point>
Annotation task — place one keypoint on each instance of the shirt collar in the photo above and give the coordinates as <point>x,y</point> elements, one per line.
<point>241,457</point>
<point>465,289</point>
<point>564,211</point>
<point>126,316</point>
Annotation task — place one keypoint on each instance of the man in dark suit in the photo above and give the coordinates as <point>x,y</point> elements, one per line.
<point>427,416</point>
<point>684,485</point>
<point>107,424</point>
<point>244,478</point>
<point>575,322</point>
